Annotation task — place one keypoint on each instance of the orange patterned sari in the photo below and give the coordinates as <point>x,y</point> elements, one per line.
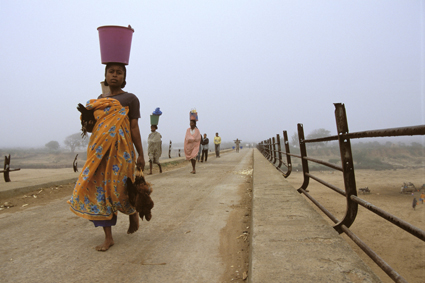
<point>100,191</point>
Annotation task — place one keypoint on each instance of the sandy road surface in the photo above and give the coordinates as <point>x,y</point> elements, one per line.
<point>182,243</point>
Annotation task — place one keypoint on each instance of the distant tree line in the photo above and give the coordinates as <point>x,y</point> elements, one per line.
<point>72,142</point>
<point>52,145</point>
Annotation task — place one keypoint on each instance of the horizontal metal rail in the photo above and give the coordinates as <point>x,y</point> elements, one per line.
<point>391,132</point>
<point>336,189</point>
<point>377,259</point>
<point>294,155</point>
<point>391,218</point>
<point>330,165</point>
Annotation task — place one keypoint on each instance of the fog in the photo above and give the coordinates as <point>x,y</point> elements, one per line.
<point>250,68</point>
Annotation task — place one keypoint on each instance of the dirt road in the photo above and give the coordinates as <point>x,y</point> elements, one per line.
<point>197,233</point>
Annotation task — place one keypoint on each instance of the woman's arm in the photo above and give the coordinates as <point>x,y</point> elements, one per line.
<point>197,136</point>
<point>188,137</point>
<point>137,141</point>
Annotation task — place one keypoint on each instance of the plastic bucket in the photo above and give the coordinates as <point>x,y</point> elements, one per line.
<point>115,44</point>
<point>154,119</point>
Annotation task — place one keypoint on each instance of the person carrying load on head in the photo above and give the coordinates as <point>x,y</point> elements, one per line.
<point>100,191</point>
<point>192,141</point>
<point>154,142</point>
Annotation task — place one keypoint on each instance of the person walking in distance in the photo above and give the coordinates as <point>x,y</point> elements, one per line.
<point>205,148</point>
<point>237,142</point>
<point>154,148</point>
<point>191,144</point>
<point>217,142</point>
<point>198,157</point>
<point>414,203</point>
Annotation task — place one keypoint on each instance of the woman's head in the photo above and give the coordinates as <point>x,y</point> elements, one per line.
<point>154,128</point>
<point>115,74</point>
<point>192,124</point>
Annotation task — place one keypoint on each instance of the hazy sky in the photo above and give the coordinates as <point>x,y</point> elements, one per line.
<point>250,68</point>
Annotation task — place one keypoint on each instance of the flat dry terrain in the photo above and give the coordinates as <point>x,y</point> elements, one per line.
<point>402,251</point>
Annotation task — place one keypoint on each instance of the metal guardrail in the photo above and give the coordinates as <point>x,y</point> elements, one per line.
<point>271,149</point>
<point>6,170</point>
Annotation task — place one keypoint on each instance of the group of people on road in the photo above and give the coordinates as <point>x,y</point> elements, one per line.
<point>101,191</point>
<point>115,151</point>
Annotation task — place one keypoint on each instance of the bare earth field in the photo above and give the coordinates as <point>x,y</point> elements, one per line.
<point>402,251</point>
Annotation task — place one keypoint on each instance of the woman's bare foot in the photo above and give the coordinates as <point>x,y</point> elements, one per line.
<point>134,223</point>
<point>150,173</point>
<point>109,241</point>
<point>105,246</point>
<point>193,172</point>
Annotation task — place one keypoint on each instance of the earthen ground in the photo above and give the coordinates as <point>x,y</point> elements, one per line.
<point>402,251</point>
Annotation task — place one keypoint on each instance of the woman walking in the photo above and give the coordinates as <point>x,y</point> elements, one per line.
<point>192,141</point>
<point>100,191</point>
<point>154,148</point>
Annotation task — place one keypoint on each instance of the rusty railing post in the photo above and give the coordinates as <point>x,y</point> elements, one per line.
<point>288,157</point>
<point>304,162</point>
<point>7,169</point>
<point>347,166</point>
<point>274,151</point>
<point>270,149</point>
<point>266,149</point>
<point>169,150</point>
<point>75,164</point>
<point>279,149</point>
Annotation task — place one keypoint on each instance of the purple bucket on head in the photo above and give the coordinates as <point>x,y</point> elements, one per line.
<point>115,44</point>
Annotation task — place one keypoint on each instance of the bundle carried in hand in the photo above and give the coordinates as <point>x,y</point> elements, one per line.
<point>139,195</point>
<point>87,119</point>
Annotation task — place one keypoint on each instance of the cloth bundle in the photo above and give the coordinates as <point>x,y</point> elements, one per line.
<point>193,115</point>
